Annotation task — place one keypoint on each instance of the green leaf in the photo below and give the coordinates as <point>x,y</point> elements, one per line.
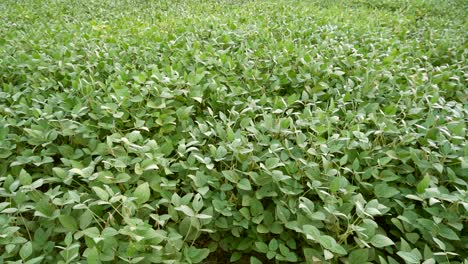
<point>221,152</point>
<point>256,207</point>
<point>196,255</point>
<point>231,176</point>
<point>186,210</point>
<point>310,254</point>
<point>410,257</point>
<point>68,222</point>
<point>381,241</point>
<point>329,243</point>
<point>35,260</point>
<point>244,184</point>
<point>85,219</point>
<point>92,255</point>
<point>91,232</point>
<point>358,256</point>
<point>235,256</point>
<point>311,232</point>
<point>44,208</point>
<point>142,193</point>
<point>439,167</point>
<point>335,185</point>
<point>423,184</point>
<point>197,202</point>
<point>262,229</point>
<point>101,193</point>
<point>261,246</point>
<point>440,243</point>
<point>272,163</point>
<point>140,78</point>
<point>327,254</point>
<point>276,228</point>
<point>273,245</point>
<point>254,260</point>
<point>25,178</point>
<point>385,191</point>
<point>448,233</point>
<point>26,250</point>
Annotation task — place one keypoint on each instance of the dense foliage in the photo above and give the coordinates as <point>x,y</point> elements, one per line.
<point>253,131</point>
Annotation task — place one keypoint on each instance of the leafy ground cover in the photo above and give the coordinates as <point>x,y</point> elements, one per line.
<point>243,131</point>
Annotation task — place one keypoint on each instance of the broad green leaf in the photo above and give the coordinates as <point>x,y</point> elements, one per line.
<point>235,256</point>
<point>197,202</point>
<point>440,243</point>
<point>142,193</point>
<point>25,178</point>
<point>101,193</point>
<point>358,256</point>
<point>221,152</point>
<point>26,250</point>
<point>273,245</point>
<point>254,260</point>
<point>186,210</point>
<point>312,232</point>
<point>262,229</point>
<point>423,184</point>
<point>244,184</point>
<point>272,163</point>
<point>327,254</point>
<point>44,208</point>
<point>261,246</point>
<point>329,243</point>
<point>448,233</point>
<point>85,219</point>
<point>68,222</point>
<point>197,255</point>
<point>410,257</point>
<point>92,232</point>
<point>92,255</point>
<point>381,241</point>
<point>231,176</point>
<point>35,260</point>
<point>385,191</point>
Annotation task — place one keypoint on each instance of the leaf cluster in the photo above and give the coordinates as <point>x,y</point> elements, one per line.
<point>245,131</point>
